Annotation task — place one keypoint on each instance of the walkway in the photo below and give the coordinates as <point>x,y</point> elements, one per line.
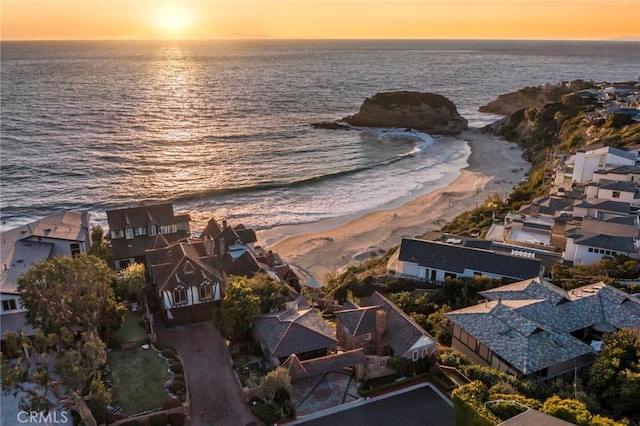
<point>214,392</point>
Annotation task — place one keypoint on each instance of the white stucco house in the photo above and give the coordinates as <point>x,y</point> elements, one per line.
<point>580,168</point>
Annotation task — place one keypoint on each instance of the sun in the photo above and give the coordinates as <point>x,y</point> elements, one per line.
<point>172,19</point>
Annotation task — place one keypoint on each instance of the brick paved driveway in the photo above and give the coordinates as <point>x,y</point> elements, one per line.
<point>214,392</point>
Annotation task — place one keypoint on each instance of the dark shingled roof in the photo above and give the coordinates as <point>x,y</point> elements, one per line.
<point>612,206</point>
<point>188,266</point>
<point>293,332</point>
<point>15,322</point>
<point>624,186</point>
<point>454,258</point>
<point>142,217</point>
<point>326,364</point>
<point>247,235</point>
<point>621,170</point>
<point>547,205</point>
<point>609,242</point>
<point>525,344</point>
<point>401,332</point>
<point>358,321</point>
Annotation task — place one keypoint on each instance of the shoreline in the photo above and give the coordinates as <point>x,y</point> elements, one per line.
<point>495,166</point>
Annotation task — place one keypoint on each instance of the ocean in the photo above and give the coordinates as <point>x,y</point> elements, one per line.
<point>222,128</point>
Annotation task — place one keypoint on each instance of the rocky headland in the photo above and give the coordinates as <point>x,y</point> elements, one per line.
<point>427,112</point>
<point>528,97</point>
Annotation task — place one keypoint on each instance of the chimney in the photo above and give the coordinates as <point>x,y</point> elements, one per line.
<point>381,326</point>
<point>222,248</point>
<point>209,246</point>
<point>224,224</point>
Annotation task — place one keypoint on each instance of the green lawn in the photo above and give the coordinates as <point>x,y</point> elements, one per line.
<point>138,377</point>
<point>131,330</point>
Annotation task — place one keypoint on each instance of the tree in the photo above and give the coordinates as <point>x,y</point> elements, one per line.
<point>615,376</point>
<point>570,410</point>
<point>57,370</point>
<point>273,294</point>
<point>272,382</point>
<point>130,281</point>
<point>71,303</point>
<point>99,246</point>
<point>239,306</point>
<point>71,292</point>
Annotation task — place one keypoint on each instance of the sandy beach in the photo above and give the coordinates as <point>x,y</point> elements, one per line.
<point>495,166</point>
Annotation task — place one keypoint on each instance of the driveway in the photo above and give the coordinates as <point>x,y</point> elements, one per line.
<point>214,392</point>
<point>419,405</point>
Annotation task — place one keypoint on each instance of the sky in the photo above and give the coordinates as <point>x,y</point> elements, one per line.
<point>304,19</point>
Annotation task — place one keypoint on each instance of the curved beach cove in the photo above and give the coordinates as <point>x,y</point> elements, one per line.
<point>494,167</point>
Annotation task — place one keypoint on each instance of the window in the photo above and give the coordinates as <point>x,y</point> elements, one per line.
<point>117,234</point>
<point>206,290</point>
<point>616,194</point>
<point>9,305</point>
<point>153,229</point>
<point>141,230</point>
<point>75,249</point>
<point>590,250</point>
<point>128,233</point>
<point>415,355</point>
<point>180,296</point>
<point>383,362</point>
<point>367,336</point>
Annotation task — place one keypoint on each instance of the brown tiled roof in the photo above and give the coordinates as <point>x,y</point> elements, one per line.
<point>533,417</point>
<point>293,332</point>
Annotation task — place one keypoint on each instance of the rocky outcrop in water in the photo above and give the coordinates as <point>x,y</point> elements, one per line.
<point>427,112</point>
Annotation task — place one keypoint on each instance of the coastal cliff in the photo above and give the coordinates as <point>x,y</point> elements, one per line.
<point>573,122</point>
<point>509,103</point>
<point>427,112</point>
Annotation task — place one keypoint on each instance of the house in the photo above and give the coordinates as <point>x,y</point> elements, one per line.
<point>298,330</point>
<point>592,208</point>
<point>239,255</point>
<point>381,328</point>
<point>133,229</point>
<point>585,248</point>
<point>187,279</point>
<point>436,261</point>
<point>621,173</point>
<point>579,168</point>
<point>533,328</point>
<point>547,206</point>
<point>622,191</point>
<point>62,234</point>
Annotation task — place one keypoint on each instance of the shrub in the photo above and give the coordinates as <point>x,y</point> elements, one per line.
<point>176,386</point>
<point>178,377</point>
<point>176,366</point>
<point>264,412</point>
<point>170,403</point>
<point>169,353</point>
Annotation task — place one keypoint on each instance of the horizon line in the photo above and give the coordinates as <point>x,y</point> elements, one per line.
<point>267,38</point>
